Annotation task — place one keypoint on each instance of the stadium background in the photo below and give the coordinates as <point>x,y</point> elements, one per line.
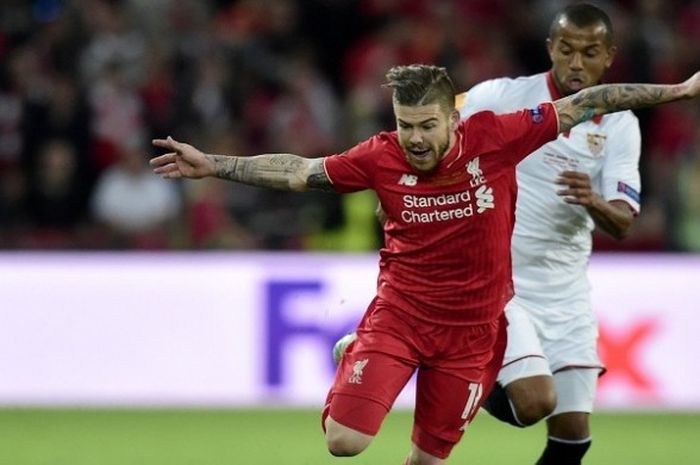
<point>88,349</point>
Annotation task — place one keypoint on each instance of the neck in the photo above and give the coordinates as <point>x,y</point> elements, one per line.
<point>452,140</point>
<point>554,86</point>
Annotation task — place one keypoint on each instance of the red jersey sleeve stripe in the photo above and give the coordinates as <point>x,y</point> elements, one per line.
<point>325,170</point>
<point>556,114</point>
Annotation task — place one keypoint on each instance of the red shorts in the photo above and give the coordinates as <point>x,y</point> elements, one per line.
<point>457,366</point>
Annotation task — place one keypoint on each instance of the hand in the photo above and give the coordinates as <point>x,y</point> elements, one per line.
<point>184,161</point>
<point>578,191</point>
<point>692,85</point>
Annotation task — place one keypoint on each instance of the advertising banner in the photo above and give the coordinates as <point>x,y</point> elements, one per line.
<point>252,329</point>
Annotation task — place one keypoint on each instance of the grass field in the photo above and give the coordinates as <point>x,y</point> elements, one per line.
<point>293,437</point>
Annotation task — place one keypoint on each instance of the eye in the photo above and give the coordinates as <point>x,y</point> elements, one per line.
<point>428,127</point>
<point>565,51</point>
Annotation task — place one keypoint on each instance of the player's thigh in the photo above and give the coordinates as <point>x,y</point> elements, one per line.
<point>576,389</point>
<point>449,396</point>
<point>524,356</point>
<point>372,372</point>
<point>445,404</point>
<point>572,343</point>
<point>365,388</point>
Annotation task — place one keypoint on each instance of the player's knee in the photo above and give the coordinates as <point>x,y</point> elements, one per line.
<point>533,398</point>
<point>532,408</point>
<point>345,445</point>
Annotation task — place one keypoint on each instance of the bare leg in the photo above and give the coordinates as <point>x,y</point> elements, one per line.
<point>533,398</point>
<point>420,457</point>
<point>572,426</point>
<point>343,441</point>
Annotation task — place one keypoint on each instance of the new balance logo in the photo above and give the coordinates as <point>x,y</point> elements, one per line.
<point>476,173</point>
<point>356,377</point>
<point>408,180</point>
<point>484,198</point>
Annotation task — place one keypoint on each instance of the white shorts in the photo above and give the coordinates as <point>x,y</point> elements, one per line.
<point>540,343</point>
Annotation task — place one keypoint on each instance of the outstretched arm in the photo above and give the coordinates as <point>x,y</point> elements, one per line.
<point>599,100</point>
<point>281,171</point>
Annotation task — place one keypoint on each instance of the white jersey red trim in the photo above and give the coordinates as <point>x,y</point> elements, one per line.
<point>552,239</point>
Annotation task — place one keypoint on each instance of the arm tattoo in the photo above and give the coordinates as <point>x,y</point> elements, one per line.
<point>280,171</point>
<point>599,100</point>
<point>317,178</point>
<point>274,171</point>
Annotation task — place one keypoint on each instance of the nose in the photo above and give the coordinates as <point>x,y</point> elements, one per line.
<point>576,62</point>
<point>416,137</point>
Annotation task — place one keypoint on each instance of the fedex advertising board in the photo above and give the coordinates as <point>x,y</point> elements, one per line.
<point>248,329</point>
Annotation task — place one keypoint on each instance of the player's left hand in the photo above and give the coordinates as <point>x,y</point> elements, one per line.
<point>578,189</point>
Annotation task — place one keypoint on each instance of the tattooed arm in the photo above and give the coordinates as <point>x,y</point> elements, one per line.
<point>599,100</point>
<point>281,171</point>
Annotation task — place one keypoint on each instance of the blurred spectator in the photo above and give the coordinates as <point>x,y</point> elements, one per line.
<point>209,104</point>
<point>216,211</point>
<point>209,220</point>
<point>305,116</point>
<point>368,106</point>
<point>12,109</point>
<point>158,94</point>
<point>118,119</point>
<point>113,41</point>
<point>84,82</point>
<point>57,198</point>
<point>136,208</point>
<point>14,221</point>
<point>688,217</point>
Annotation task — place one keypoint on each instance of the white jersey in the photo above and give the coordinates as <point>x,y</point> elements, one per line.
<point>552,239</point>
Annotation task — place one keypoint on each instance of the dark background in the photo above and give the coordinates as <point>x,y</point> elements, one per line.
<point>85,85</point>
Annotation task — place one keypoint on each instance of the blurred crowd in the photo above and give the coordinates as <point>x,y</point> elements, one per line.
<point>86,84</point>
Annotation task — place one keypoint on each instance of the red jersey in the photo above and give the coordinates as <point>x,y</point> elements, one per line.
<point>447,236</point>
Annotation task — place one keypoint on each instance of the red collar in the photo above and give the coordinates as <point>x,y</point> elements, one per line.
<point>552,86</point>
<point>556,95</point>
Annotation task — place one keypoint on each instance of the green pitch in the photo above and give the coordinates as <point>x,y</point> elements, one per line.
<point>284,437</point>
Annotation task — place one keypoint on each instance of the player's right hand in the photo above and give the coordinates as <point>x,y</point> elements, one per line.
<point>691,87</point>
<point>183,160</point>
<point>577,188</point>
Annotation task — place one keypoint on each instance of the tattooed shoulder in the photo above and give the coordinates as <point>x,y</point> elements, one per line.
<point>317,178</point>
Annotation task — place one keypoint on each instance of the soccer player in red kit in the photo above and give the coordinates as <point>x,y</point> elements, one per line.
<point>448,189</point>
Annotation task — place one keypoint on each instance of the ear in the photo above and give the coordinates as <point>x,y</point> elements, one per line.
<point>550,48</point>
<point>454,119</point>
<point>612,51</point>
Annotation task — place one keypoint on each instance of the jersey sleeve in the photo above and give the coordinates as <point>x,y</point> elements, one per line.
<point>353,170</point>
<point>515,135</point>
<point>620,174</point>
<point>486,95</point>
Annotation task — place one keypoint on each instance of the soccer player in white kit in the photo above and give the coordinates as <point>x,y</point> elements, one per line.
<point>587,177</point>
